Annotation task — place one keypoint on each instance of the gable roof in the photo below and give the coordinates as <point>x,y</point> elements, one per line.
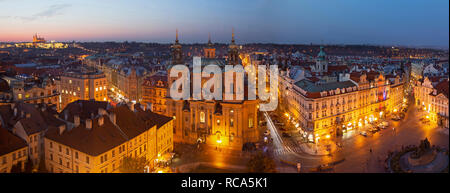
<point>10,142</point>
<point>128,121</point>
<point>94,141</point>
<point>83,108</point>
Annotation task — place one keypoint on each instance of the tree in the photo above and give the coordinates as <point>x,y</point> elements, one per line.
<point>261,163</point>
<point>134,165</point>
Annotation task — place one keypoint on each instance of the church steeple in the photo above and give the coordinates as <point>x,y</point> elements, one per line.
<point>209,51</point>
<point>176,40</point>
<point>210,44</point>
<point>177,53</point>
<point>233,51</point>
<point>232,36</point>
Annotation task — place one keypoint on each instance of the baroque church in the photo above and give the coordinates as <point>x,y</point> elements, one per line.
<point>220,123</point>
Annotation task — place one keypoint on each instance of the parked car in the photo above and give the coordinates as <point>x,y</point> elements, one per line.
<point>395,118</point>
<point>280,124</point>
<point>363,133</point>
<point>267,132</point>
<point>284,134</point>
<point>283,129</point>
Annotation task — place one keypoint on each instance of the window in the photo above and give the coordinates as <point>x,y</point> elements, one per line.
<point>250,122</point>
<point>51,157</point>
<point>67,151</point>
<point>113,152</point>
<point>51,145</point>
<point>231,122</point>
<point>202,117</point>
<point>87,159</point>
<point>76,155</point>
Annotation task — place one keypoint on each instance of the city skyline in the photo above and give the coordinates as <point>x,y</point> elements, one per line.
<point>302,22</point>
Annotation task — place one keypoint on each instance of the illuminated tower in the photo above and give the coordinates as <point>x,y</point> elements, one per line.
<point>177,53</point>
<point>209,51</point>
<point>233,51</point>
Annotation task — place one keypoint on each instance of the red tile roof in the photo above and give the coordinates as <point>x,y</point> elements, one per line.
<point>10,142</point>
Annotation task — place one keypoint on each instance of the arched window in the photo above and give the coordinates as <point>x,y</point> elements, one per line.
<point>202,117</point>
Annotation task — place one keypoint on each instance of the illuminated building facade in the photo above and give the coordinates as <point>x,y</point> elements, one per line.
<point>332,109</point>
<point>31,90</point>
<point>109,134</point>
<point>13,151</point>
<point>83,83</point>
<point>219,123</point>
<point>155,92</point>
<point>431,95</point>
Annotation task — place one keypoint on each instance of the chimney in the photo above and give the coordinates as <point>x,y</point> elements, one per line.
<point>101,120</point>
<point>62,128</point>
<point>76,120</point>
<point>15,112</point>
<point>27,115</point>
<point>88,124</point>
<point>112,117</point>
<point>66,115</point>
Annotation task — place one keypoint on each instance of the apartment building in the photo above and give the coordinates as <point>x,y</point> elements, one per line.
<point>83,83</point>
<point>333,108</point>
<point>13,150</point>
<point>99,136</point>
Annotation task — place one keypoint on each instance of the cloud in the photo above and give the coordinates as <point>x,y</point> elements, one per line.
<point>53,10</point>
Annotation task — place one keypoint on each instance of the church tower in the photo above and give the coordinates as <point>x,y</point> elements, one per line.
<point>209,51</point>
<point>321,62</point>
<point>177,53</point>
<point>233,51</point>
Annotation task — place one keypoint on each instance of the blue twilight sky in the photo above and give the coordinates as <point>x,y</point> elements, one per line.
<point>388,22</point>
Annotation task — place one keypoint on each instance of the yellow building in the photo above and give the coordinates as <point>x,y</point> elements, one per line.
<point>99,137</point>
<point>84,83</point>
<point>431,96</point>
<point>27,91</point>
<point>155,92</point>
<point>327,109</point>
<point>13,150</point>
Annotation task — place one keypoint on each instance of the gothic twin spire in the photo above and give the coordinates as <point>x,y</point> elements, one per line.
<point>209,37</point>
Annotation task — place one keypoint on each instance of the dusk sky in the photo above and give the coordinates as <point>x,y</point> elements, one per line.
<point>386,22</point>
